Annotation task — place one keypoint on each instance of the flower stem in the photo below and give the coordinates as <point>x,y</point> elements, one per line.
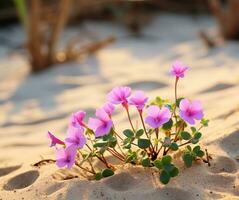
<point>115,155</point>
<point>175,106</point>
<point>181,128</point>
<point>83,168</point>
<point>103,160</point>
<point>90,163</point>
<point>117,135</point>
<point>151,149</point>
<point>127,110</point>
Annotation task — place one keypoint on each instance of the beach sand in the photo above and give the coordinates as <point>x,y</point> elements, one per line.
<point>30,105</point>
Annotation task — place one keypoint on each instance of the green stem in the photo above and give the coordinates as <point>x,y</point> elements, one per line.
<point>175,106</point>
<point>151,149</point>
<point>78,165</point>
<point>127,110</point>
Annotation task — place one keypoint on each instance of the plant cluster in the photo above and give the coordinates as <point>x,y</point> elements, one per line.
<point>165,128</point>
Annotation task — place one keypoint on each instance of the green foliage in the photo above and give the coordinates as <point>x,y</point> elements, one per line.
<point>166,160</point>
<point>106,141</point>
<point>158,164</point>
<point>168,125</point>
<point>139,133</point>
<point>107,172</point>
<point>186,135</point>
<point>174,146</point>
<point>164,177</point>
<point>192,154</point>
<point>178,101</point>
<point>198,152</point>
<point>132,157</point>
<point>145,162</point>
<point>128,133</point>
<point>197,135</point>
<point>159,101</point>
<point>204,122</point>
<point>143,143</point>
<point>98,176</point>
<point>167,169</point>
<point>188,159</point>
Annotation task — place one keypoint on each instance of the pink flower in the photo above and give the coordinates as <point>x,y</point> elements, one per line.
<point>138,99</point>
<point>75,137</point>
<point>66,157</point>
<point>119,95</point>
<point>101,125</point>
<point>156,116</point>
<point>178,69</point>
<point>77,119</point>
<point>190,111</point>
<point>109,108</point>
<point>54,139</point>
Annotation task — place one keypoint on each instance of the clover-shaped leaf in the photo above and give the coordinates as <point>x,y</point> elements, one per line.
<point>164,177</point>
<point>168,125</point>
<point>139,133</point>
<point>107,172</point>
<point>186,135</point>
<point>197,135</point>
<point>188,159</point>
<point>174,146</point>
<point>128,133</point>
<point>167,159</point>
<point>145,162</point>
<point>158,164</point>
<point>143,143</point>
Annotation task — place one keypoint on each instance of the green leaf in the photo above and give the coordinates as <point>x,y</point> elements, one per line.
<point>186,135</point>
<point>143,143</point>
<point>112,142</point>
<point>145,162</point>
<point>174,172</point>
<point>168,125</point>
<point>174,146</point>
<point>168,167</point>
<point>196,149</point>
<point>128,133</point>
<point>188,159</point>
<point>160,102</point>
<point>197,135</point>
<point>164,177</point>
<point>158,164</point>
<point>204,122</point>
<point>109,135</point>
<point>178,101</point>
<point>100,144</point>
<point>127,146</point>
<point>167,159</point>
<point>193,129</point>
<point>200,153</point>
<point>102,150</point>
<point>139,133</point>
<point>98,176</point>
<point>194,141</point>
<point>189,148</point>
<point>107,172</point>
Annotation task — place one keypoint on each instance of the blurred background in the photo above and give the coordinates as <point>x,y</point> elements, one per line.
<point>59,56</point>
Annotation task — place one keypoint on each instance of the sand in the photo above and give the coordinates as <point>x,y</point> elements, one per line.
<point>32,104</point>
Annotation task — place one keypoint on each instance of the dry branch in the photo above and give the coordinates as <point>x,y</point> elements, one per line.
<point>227,15</point>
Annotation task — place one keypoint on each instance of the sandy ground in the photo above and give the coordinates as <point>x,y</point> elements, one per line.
<point>32,104</point>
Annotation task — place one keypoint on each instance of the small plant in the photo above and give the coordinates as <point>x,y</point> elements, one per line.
<point>165,129</point>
